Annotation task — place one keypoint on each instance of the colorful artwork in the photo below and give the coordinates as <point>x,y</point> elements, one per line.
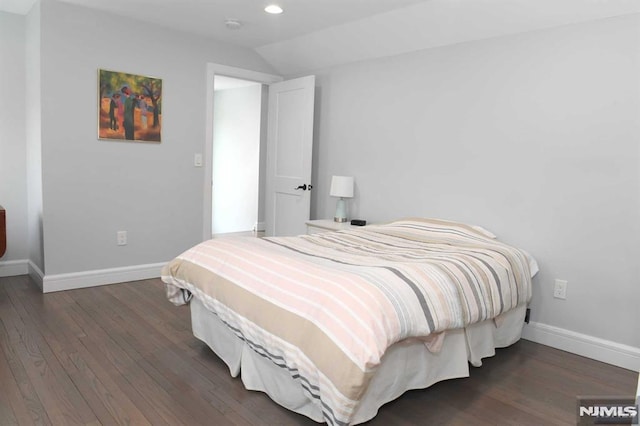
<point>130,107</point>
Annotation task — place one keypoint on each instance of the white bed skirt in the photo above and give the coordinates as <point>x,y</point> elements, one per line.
<point>406,365</point>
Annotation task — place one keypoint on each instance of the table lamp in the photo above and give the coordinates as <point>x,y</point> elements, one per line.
<point>342,187</point>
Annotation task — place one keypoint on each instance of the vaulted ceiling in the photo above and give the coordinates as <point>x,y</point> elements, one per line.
<point>313,34</point>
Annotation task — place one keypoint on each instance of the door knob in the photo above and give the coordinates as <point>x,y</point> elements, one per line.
<point>303,187</point>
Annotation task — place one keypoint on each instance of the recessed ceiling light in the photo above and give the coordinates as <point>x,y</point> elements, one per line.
<point>233,24</point>
<point>273,9</point>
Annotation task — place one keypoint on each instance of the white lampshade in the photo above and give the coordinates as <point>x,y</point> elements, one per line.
<point>342,186</point>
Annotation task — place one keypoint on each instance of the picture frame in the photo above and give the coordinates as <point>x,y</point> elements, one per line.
<point>129,107</point>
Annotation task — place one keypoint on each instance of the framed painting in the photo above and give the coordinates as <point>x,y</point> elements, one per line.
<point>129,107</point>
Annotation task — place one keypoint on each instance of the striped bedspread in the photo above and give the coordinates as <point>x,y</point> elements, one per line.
<point>327,306</point>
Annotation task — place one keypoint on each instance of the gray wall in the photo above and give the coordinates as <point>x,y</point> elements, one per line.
<point>13,176</point>
<point>93,188</point>
<point>533,136</point>
<point>33,133</point>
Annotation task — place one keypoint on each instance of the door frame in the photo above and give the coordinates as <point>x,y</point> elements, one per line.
<point>213,70</point>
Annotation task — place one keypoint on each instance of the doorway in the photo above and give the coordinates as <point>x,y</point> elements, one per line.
<point>214,70</point>
<point>238,156</point>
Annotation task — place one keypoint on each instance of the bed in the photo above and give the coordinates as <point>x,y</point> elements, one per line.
<point>334,325</point>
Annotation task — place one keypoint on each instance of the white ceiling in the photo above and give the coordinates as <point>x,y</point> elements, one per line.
<point>313,34</point>
<point>432,23</point>
<point>207,17</point>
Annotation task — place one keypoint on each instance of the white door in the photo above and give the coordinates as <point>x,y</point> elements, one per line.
<point>289,150</point>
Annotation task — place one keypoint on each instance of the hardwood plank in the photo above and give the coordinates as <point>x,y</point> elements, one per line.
<point>62,350</point>
<point>11,404</point>
<point>60,398</point>
<point>24,390</point>
<point>178,366</point>
<point>108,348</point>
<point>102,394</point>
<point>123,354</point>
<point>14,385</point>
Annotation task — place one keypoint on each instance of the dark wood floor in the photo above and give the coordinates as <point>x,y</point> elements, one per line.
<point>122,354</point>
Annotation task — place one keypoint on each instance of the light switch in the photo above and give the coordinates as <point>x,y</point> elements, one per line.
<point>197,160</point>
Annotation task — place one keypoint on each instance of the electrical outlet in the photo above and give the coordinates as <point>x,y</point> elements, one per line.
<point>122,238</point>
<point>560,289</point>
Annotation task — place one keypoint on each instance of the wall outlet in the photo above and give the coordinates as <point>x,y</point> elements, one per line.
<point>122,238</point>
<point>560,289</point>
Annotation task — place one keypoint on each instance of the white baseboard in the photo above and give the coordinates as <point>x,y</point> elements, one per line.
<point>94,278</point>
<point>11,268</point>
<point>36,274</point>
<point>584,345</point>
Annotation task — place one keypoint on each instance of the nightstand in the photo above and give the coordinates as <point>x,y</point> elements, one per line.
<point>325,225</point>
